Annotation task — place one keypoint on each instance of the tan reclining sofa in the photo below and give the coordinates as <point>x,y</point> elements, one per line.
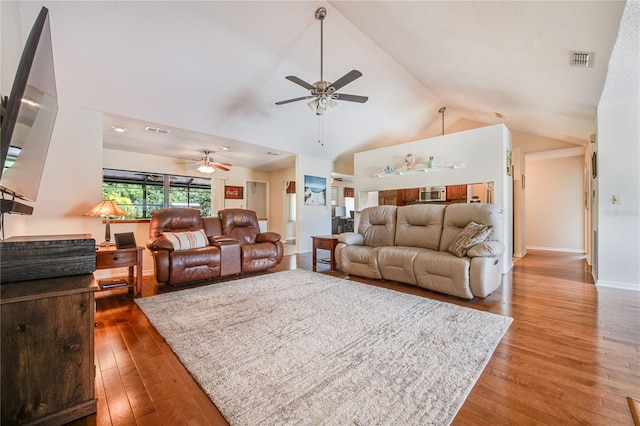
<point>454,249</point>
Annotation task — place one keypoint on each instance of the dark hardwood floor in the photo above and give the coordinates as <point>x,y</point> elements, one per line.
<point>571,356</point>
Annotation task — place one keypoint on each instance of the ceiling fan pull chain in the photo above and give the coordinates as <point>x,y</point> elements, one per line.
<point>321,130</point>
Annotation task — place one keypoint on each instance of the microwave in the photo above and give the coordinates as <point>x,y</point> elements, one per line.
<point>433,193</point>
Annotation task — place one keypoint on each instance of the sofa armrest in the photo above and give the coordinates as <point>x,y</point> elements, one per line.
<point>159,243</point>
<point>267,237</point>
<point>221,239</point>
<point>351,238</point>
<point>486,249</point>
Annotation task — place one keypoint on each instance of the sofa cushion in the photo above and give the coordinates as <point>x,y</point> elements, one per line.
<point>443,272</point>
<point>419,225</point>
<point>361,261</point>
<point>260,256</point>
<point>396,263</point>
<point>187,240</point>
<point>174,219</point>
<point>457,216</point>
<point>378,225</point>
<point>240,224</point>
<point>195,265</point>
<point>471,235</point>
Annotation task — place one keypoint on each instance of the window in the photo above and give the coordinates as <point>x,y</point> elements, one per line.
<point>141,193</point>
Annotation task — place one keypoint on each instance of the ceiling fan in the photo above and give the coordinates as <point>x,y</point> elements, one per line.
<point>324,93</point>
<point>208,165</point>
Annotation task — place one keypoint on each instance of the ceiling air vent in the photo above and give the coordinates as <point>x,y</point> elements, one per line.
<point>157,130</point>
<point>582,59</point>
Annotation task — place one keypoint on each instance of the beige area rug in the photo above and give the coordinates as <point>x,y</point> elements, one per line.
<point>302,348</point>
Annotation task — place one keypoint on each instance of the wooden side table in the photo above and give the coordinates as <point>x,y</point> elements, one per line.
<point>325,242</point>
<point>110,257</point>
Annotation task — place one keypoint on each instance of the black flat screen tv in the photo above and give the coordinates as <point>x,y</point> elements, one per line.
<point>28,118</point>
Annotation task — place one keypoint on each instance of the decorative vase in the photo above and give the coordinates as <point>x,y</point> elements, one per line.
<point>431,163</point>
<point>409,160</point>
<point>388,168</point>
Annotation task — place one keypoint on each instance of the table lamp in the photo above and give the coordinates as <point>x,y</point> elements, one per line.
<point>107,209</point>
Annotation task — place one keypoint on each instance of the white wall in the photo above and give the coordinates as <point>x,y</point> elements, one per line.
<point>618,148</point>
<point>312,220</point>
<point>75,151</point>
<point>618,225</point>
<point>277,206</point>
<point>482,150</point>
<point>555,203</point>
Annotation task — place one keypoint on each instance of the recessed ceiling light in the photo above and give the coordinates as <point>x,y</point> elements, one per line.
<point>225,148</point>
<point>119,129</point>
<point>157,130</point>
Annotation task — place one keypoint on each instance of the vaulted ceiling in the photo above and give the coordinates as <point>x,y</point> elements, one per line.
<point>212,71</point>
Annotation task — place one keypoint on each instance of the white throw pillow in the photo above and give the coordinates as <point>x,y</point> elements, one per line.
<point>187,240</point>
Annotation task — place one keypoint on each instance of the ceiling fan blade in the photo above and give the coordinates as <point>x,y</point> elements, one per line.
<point>350,98</point>
<point>224,164</point>
<point>300,82</point>
<point>346,79</point>
<point>218,166</point>
<point>294,100</point>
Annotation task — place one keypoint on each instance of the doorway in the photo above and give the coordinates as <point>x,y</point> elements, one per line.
<point>257,201</point>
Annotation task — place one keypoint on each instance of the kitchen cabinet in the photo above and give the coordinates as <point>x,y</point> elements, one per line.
<point>457,193</point>
<point>398,197</point>
<point>410,195</point>
<point>390,198</point>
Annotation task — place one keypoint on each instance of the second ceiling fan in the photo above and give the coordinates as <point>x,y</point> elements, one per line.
<point>324,93</point>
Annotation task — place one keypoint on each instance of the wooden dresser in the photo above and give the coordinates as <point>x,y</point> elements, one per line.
<point>47,350</point>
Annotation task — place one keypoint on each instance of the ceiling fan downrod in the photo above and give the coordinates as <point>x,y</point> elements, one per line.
<point>321,13</point>
<point>441,111</point>
<point>323,93</point>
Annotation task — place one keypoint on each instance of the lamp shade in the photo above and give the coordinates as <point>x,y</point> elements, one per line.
<point>106,208</point>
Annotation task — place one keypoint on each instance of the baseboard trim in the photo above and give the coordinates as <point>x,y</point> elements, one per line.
<point>619,285</point>
<point>564,250</point>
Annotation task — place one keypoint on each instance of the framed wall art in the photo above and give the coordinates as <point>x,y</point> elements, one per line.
<point>315,191</point>
<point>233,192</point>
<point>334,195</point>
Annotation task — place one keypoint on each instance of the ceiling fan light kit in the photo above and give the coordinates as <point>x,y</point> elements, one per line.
<point>206,168</point>
<point>208,165</point>
<point>323,93</point>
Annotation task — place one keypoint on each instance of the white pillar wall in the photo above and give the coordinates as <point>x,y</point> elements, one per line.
<point>483,151</point>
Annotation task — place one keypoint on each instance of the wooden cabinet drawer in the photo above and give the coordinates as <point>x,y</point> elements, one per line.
<point>324,244</point>
<point>113,260</point>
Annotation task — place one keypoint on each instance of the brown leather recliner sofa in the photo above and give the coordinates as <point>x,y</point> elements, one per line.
<point>187,247</point>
